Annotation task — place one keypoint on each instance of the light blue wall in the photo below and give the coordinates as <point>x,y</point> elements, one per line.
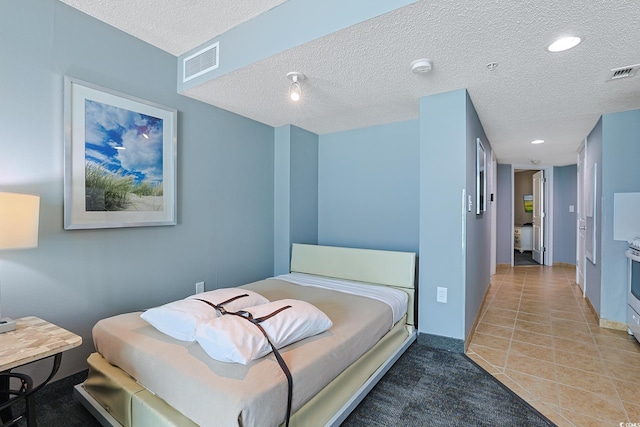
<point>399,187</point>
<point>304,186</point>
<point>565,187</point>
<point>282,200</point>
<point>443,181</point>
<point>296,192</point>
<point>368,187</point>
<point>614,145</point>
<point>593,271</point>
<point>454,240</point>
<point>620,159</point>
<point>478,227</point>
<point>225,191</point>
<point>504,215</point>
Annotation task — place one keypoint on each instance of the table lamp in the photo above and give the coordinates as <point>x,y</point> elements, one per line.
<point>19,215</point>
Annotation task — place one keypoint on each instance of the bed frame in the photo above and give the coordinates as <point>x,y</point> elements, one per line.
<point>384,268</point>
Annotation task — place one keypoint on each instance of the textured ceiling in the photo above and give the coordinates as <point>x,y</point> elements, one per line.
<point>175,26</point>
<point>361,76</point>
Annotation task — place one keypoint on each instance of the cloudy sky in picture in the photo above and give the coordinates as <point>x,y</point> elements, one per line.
<point>124,142</point>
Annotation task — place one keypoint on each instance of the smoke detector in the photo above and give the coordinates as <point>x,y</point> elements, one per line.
<point>421,66</point>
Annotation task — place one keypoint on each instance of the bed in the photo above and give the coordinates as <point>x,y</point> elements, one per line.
<point>140,377</point>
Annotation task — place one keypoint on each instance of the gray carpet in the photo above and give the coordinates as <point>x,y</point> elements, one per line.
<point>524,258</point>
<point>426,387</point>
<point>56,406</point>
<point>429,387</point>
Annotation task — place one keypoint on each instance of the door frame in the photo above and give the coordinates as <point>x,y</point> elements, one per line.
<point>548,217</point>
<point>581,258</point>
<point>493,197</point>
<point>539,243</point>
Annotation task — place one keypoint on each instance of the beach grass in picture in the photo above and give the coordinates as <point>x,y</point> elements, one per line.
<point>123,152</point>
<point>120,159</point>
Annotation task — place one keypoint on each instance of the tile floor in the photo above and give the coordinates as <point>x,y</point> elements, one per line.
<point>537,335</point>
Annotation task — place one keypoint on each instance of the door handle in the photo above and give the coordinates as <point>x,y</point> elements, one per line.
<point>582,227</point>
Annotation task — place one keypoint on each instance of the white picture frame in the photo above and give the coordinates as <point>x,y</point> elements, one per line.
<point>120,159</point>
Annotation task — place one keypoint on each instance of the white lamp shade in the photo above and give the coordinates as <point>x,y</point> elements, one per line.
<point>19,216</point>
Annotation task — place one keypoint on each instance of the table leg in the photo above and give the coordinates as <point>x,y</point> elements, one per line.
<point>8,396</point>
<point>27,392</point>
<point>30,400</point>
<point>6,414</point>
<point>30,403</point>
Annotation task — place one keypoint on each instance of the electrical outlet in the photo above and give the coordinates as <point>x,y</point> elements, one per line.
<point>442,295</point>
<point>199,287</point>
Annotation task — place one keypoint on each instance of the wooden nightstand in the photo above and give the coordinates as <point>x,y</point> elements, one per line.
<point>34,339</point>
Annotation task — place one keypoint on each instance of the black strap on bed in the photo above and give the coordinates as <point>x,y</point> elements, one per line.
<point>220,307</point>
<point>285,369</point>
<point>256,321</point>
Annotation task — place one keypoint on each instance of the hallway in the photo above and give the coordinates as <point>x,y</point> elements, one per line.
<point>537,335</point>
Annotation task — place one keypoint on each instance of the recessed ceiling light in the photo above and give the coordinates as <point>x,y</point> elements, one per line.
<point>537,141</point>
<point>564,43</point>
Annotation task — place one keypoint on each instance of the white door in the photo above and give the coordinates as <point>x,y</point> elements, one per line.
<point>581,223</point>
<point>538,217</point>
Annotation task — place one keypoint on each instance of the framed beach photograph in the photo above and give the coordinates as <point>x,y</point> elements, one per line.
<point>120,159</point>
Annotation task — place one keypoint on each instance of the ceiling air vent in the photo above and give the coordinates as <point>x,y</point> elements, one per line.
<point>623,72</point>
<point>201,62</point>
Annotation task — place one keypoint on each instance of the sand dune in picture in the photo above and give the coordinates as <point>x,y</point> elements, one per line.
<point>144,203</point>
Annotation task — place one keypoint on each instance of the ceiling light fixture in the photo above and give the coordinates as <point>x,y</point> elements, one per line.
<point>537,141</point>
<point>565,43</point>
<point>295,92</point>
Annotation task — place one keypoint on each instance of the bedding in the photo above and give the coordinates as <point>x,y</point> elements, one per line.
<point>396,299</point>
<point>141,377</point>
<point>210,392</point>
<point>232,339</point>
<point>180,319</point>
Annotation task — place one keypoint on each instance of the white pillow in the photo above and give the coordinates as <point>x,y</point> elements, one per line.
<point>179,319</point>
<point>231,339</point>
